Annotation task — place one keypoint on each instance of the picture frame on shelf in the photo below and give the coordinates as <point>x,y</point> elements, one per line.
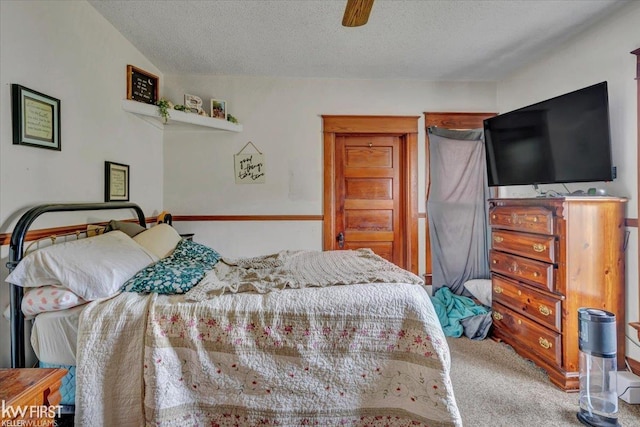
<point>219,109</point>
<point>142,86</point>
<point>116,182</point>
<point>193,103</point>
<point>35,118</point>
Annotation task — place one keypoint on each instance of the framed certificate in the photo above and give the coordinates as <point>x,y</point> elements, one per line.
<point>35,118</point>
<point>116,182</point>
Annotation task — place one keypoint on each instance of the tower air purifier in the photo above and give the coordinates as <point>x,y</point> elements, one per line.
<point>598,388</point>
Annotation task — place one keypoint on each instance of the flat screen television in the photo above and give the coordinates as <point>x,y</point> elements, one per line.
<point>560,140</point>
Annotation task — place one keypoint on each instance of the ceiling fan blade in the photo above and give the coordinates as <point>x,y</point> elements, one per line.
<point>357,13</point>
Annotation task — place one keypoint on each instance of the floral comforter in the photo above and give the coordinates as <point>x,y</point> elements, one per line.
<point>369,354</point>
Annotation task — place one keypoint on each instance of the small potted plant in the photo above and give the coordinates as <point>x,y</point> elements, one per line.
<point>164,105</point>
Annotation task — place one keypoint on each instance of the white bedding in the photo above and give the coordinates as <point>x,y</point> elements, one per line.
<point>54,336</point>
<point>109,382</point>
<point>371,354</point>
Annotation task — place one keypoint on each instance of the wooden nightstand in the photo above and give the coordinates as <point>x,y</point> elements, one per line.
<point>24,392</point>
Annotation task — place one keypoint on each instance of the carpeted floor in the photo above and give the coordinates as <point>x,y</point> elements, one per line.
<point>496,387</point>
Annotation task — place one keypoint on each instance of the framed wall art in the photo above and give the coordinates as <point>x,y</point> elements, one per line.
<point>219,109</point>
<point>35,118</point>
<point>142,86</point>
<point>116,182</point>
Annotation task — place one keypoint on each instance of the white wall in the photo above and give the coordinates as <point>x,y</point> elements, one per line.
<point>602,53</point>
<point>65,49</point>
<point>282,117</point>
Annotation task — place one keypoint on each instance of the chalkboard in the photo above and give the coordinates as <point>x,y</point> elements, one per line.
<point>141,85</point>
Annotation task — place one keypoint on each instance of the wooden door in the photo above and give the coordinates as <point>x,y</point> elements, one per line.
<point>379,188</point>
<point>368,195</point>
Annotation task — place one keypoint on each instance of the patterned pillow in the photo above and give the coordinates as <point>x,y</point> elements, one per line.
<point>177,273</point>
<point>48,298</point>
<point>190,250</point>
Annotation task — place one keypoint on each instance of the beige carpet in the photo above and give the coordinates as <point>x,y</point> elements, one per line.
<point>494,386</point>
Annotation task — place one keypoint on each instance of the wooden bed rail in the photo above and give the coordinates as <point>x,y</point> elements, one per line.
<point>41,233</point>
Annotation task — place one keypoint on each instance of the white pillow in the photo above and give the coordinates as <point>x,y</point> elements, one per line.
<point>92,268</point>
<point>48,298</point>
<point>160,240</point>
<point>481,289</point>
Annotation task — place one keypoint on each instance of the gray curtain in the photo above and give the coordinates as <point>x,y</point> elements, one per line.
<point>457,208</point>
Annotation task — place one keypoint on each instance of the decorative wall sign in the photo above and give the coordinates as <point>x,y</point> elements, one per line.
<point>35,117</point>
<point>116,182</point>
<point>193,103</point>
<point>219,109</point>
<point>141,85</point>
<point>249,168</point>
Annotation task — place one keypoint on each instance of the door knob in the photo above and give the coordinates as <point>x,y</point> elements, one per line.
<point>340,239</point>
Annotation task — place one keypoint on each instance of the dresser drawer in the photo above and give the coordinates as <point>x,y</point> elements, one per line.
<point>544,342</point>
<point>530,219</point>
<point>534,246</point>
<point>519,268</point>
<point>542,308</point>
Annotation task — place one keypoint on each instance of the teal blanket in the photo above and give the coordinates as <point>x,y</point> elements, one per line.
<point>452,308</point>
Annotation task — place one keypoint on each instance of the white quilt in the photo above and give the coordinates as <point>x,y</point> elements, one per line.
<point>369,354</point>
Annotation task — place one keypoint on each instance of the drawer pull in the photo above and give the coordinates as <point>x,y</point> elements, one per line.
<point>498,239</point>
<point>495,261</point>
<point>544,310</point>
<point>544,343</point>
<point>497,316</point>
<point>493,216</point>
<point>519,292</point>
<point>535,219</point>
<point>538,247</point>
<point>497,290</point>
<point>536,274</point>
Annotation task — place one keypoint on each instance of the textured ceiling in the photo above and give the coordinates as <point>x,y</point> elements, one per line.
<point>482,40</point>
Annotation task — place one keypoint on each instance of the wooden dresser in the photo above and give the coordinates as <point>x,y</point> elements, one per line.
<point>549,257</point>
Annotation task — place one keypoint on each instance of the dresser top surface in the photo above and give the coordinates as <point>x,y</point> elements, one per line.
<point>580,198</point>
<point>16,382</point>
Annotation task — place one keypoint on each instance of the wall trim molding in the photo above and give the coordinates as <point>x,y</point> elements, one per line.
<point>46,232</point>
<point>399,125</point>
<point>205,218</point>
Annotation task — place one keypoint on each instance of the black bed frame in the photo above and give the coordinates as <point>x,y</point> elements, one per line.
<point>16,248</point>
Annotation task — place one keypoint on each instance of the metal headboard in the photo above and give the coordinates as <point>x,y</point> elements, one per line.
<point>16,250</point>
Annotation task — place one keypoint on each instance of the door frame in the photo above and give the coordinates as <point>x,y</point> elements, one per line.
<point>406,128</point>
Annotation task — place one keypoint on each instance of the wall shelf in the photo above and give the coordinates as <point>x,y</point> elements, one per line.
<point>178,120</point>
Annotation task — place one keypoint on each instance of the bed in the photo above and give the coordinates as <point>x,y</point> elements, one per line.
<point>293,338</point>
